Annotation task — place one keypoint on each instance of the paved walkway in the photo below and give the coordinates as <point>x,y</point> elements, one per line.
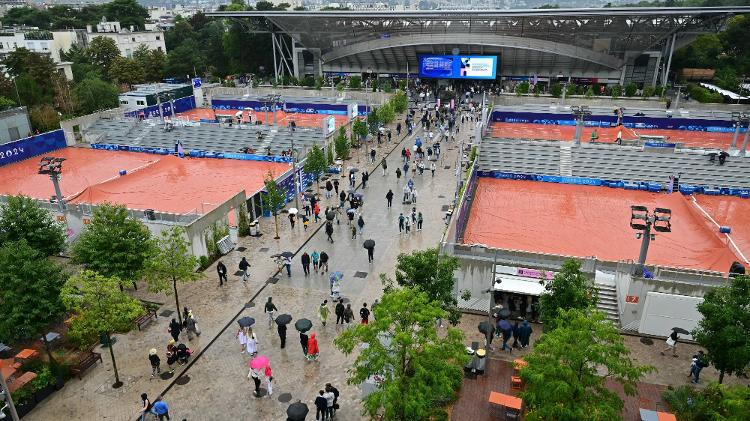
<point>215,384</point>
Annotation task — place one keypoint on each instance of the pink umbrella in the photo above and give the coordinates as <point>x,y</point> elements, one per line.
<point>261,361</point>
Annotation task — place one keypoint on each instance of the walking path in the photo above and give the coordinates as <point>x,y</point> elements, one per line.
<point>215,385</point>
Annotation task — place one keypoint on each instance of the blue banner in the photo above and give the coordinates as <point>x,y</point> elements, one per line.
<point>21,149</point>
<point>290,107</point>
<point>195,153</point>
<point>180,105</point>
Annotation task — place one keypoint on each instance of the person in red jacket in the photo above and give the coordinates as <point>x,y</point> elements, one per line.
<point>312,348</point>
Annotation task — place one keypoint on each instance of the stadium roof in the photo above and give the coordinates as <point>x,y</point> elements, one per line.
<point>597,35</point>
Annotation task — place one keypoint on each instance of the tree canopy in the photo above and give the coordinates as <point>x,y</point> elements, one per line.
<point>432,273</point>
<point>93,94</point>
<point>114,244</point>
<point>416,369</point>
<point>127,12</point>
<point>724,329</point>
<point>316,163</point>
<point>103,51</point>
<point>30,292</point>
<point>569,289</point>
<point>23,219</point>
<point>568,367</point>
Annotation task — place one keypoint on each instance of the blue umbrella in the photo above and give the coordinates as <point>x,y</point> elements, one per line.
<point>160,407</point>
<point>418,142</point>
<point>336,275</point>
<point>504,325</point>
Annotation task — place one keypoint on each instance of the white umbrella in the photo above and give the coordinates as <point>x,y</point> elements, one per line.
<point>293,211</point>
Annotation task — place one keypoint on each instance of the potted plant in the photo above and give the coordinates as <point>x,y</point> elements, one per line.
<point>43,384</point>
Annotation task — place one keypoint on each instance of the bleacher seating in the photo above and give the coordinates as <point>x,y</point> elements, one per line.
<point>520,156</point>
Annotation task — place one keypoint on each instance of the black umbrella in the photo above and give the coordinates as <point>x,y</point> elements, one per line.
<point>504,313</point>
<point>309,195</point>
<point>680,330</point>
<point>368,244</point>
<point>283,319</point>
<point>358,195</point>
<point>353,170</point>
<point>297,411</point>
<point>351,191</point>
<point>246,321</point>
<point>331,215</point>
<point>287,254</point>
<point>483,327</point>
<point>303,325</point>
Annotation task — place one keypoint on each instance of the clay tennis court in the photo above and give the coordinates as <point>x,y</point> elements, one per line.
<point>282,118</point>
<point>609,134</point>
<point>164,183</point>
<point>594,221</point>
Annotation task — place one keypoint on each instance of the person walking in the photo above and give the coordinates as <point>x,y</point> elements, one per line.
<point>245,268</point>
<point>371,254</point>
<point>323,262</point>
<point>352,180</point>
<point>315,260</point>
<point>354,232</point>
<point>281,329</point>
<point>342,199</point>
<point>323,312</point>
<point>316,212</point>
<point>420,219</point>
<point>221,269</point>
<point>432,168</point>
<point>364,314</point>
<point>414,195</point>
<point>398,129</point>
<point>191,326</point>
<point>329,231</point>
<point>329,397</point>
<point>516,328</point>
<point>699,361</point>
<point>336,186</point>
<point>672,343</point>
<point>398,174</point>
<point>269,379</point>
<point>242,338</point>
<point>504,327</point>
<point>372,155</point>
<point>255,377</point>
<point>384,165</point>
<point>407,194</point>
<point>321,407</point>
<point>340,312</point>
<point>365,177</point>
<point>146,406</point>
<point>161,410</point>
<point>329,189</point>
<point>361,224</point>
<point>524,333</point>
<point>171,355</point>
<point>305,259</point>
<point>155,361</point>
<point>336,394</point>
<point>251,345</point>
<point>401,220</point>
<point>269,308</point>
<point>407,226</point>
<point>303,340</point>
<point>174,329</point>
<point>389,197</point>
<point>348,314</point>
<point>312,348</point>
<point>288,265</point>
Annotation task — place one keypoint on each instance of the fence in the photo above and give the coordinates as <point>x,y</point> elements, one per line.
<point>374,98</point>
<point>21,149</point>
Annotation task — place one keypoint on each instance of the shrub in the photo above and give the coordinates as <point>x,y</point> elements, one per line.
<point>556,90</point>
<point>242,227</point>
<point>522,88</point>
<point>355,82</point>
<point>648,91</point>
<point>44,378</point>
<point>616,91</point>
<point>204,262</point>
<point>703,95</point>
<point>631,89</point>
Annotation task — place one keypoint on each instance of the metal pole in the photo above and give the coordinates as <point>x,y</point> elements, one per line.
<point>58,193</point>
<point>579,129</point>
<point>737,126</point>
<point>677,100</point>
<point>565,90</point>
<point>645,241</point>
<point>294,173</point>
<point>19,96</point>
<point>158,103</point>
<point>275,64</point>
<point>669,61</point>
<point>489,310</point>
<point>744,141</point>
<point>4,386</point>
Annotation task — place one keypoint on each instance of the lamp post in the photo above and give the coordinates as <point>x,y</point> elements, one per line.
<point>740,119</point>
<point>677,99</point>
<point>490,291</point>
<point>53,167</point>
<point>580,112</point>
<point>643,222</point>
<point>11,77</point>
<point>294,166</point>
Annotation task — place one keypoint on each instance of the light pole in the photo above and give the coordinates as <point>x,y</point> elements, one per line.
<point>740,119</point>
<point>677,100</point>
<point>643,222</point>
<point>5,397</point>
<point>53,167</point>
<point>294,166</point>
<point>490,291</point>
<point>580,112</point>
<point>11,77</point>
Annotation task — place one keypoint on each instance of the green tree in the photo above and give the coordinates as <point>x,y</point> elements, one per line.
<point>432,273</point>
<point>568,369</point>
<point>341,142</point>
<point>23,219</point>
<point>400,102</point>
<point>114,244</point>
<point>151,61</point>
<point>30,293</point>
<point>359,129</point>
<point>126,71</point>
<point>374,120</point>
<point>386,114</point>
<point>32,72</point>
<point>100,308</point>
<point>184,59</point>
<point>329,153</point>
<point>716,402</point>
<point>274,200</point>
<point>94,94</point>
<point>355,82</point>
<point>725,328</point>
<point>315,163</point>
<point>127,12</point>
<point>6,103</point>
<point>103,51</point>
<point>570,289</point>
<point>44,118</point>
<point>419,369</point>
<point>171,262</point>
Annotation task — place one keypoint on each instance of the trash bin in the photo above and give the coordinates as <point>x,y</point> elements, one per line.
<point>254,229</point>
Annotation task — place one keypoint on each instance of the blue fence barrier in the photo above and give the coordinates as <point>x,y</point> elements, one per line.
<point>290,107</point>
<point>25,148</point>
<point>194,153</point>
<point>618,184</point>
<point>689,124</point>
<point>180,105</point>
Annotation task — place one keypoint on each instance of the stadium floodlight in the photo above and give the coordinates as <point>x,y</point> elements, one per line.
<point>53,167</point>
<point>740,119</point>
<point>580,112</point>
<point>660,220</point>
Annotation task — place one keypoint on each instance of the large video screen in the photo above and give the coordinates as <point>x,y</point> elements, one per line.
<point>458,67</point>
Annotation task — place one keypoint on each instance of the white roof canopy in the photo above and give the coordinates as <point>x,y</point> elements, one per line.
<point>518,285</point>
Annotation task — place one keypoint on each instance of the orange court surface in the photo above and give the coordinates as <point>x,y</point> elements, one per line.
<point>164,183</point>
<point>688,138</point>
<point>282,118</point>
<point>586,221</point>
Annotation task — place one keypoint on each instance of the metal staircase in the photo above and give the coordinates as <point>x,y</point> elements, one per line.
<point>607,303</point>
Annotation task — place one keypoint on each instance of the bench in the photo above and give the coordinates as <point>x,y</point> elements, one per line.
<point>85,363</point>
<point>145,319</point>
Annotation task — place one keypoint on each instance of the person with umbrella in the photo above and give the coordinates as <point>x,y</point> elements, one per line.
<point>161,410</point>
<point>329,231</point>
<point>305,259</point>
<point>370,246</point>
<point>389,197</point>
<point>303,325</point>
<point>221,269</point>
<point>269,379</point>
<point>297,411</point>
<point>350,216</point>
<point>312,348</point>
<point>291,219</point>
<point>672,340</point>
<point>255,377</point>
<point>281,323</point>
<point>507,331</point>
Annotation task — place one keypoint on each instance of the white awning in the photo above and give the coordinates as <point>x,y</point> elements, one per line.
<point>519,285</point>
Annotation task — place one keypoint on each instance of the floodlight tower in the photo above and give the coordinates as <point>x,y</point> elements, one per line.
<point>580,112</point>
<point>643,222</point>
<point>271,99</point>
<point>740,119</point>
<point>53,167</point>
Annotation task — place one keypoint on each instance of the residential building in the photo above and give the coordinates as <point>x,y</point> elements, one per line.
<point>51,43</point>
<point>127,39</point>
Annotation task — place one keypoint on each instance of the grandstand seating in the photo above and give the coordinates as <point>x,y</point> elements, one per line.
<point>611,162</point>
<point>207,137</point>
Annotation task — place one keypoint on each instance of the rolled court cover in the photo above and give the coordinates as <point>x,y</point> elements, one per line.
<point>586,221</point>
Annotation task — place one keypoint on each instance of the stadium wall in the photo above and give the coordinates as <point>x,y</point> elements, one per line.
<point>21,149</point>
